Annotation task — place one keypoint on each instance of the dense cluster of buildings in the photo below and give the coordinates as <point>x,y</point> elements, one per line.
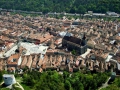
<point>42,43</point>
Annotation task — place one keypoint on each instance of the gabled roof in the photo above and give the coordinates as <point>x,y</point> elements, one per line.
<point>72,39</point>
<point>13,59</point>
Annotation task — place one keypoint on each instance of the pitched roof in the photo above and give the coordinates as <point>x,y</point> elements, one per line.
<point>72,39</point>
<point>29,62</point>
<point>34,61</point>
<point>13,59</point>
<point>24,62</point>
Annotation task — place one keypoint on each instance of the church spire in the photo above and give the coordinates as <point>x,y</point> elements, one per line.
<point>83,42</point>
<point>84,36</point>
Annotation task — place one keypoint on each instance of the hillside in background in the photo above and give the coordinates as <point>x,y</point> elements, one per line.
<point>71,6</point>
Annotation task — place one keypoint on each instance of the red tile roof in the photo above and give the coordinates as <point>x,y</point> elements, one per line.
<point>13,59</point>
<point>34,62</point>
<point>29,62</point>
<point>24,62</point>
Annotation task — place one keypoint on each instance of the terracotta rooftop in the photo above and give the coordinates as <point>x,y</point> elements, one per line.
<point>13,59</point>
<point>29,62</point>
<point>24,61</point>
<point>46,37</point>
<point>34,61</point>
<point>4,38</point>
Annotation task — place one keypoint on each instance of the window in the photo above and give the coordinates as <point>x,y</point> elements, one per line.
<point>14,60</point>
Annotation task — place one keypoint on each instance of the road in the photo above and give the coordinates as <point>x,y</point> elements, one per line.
<point>105,84</point>
<point>20,86</point>
<point>1,83</point>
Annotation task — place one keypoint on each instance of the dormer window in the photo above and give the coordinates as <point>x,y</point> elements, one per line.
<point>14,60</point>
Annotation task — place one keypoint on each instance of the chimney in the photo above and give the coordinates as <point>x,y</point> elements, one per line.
<point>116,27</point>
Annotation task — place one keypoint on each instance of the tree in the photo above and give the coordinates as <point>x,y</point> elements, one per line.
<point>80,86</point>
<point>73,52</point>
<point>70,6</point>
<point>67,85</point>
<point>52,80</point>
<point>73,10</point>
<point>1,77</point>
<point>81,9</point>
<point>65,75</point>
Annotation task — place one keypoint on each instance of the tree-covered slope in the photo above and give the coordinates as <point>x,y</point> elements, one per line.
<point>72,6</point>
<point>52,80</point>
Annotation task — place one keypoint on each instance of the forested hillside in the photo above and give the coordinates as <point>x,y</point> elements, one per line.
<point>52,80</point>
<point>72,6</point>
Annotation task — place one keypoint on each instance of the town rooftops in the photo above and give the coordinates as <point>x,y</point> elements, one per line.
<point>40,37</point>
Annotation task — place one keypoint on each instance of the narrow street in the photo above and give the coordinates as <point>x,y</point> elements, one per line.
<point>20,86</point>
<point>105,84</point>
<point>1,83</point>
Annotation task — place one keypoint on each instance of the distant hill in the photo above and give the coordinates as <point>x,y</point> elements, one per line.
<point>72,6</point>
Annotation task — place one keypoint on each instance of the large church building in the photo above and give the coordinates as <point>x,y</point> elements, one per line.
<point>73,43</point>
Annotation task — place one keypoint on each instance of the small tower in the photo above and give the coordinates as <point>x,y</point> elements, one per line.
<point>83,41</point>
<point>9,79</point>
<point>83,44</point>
